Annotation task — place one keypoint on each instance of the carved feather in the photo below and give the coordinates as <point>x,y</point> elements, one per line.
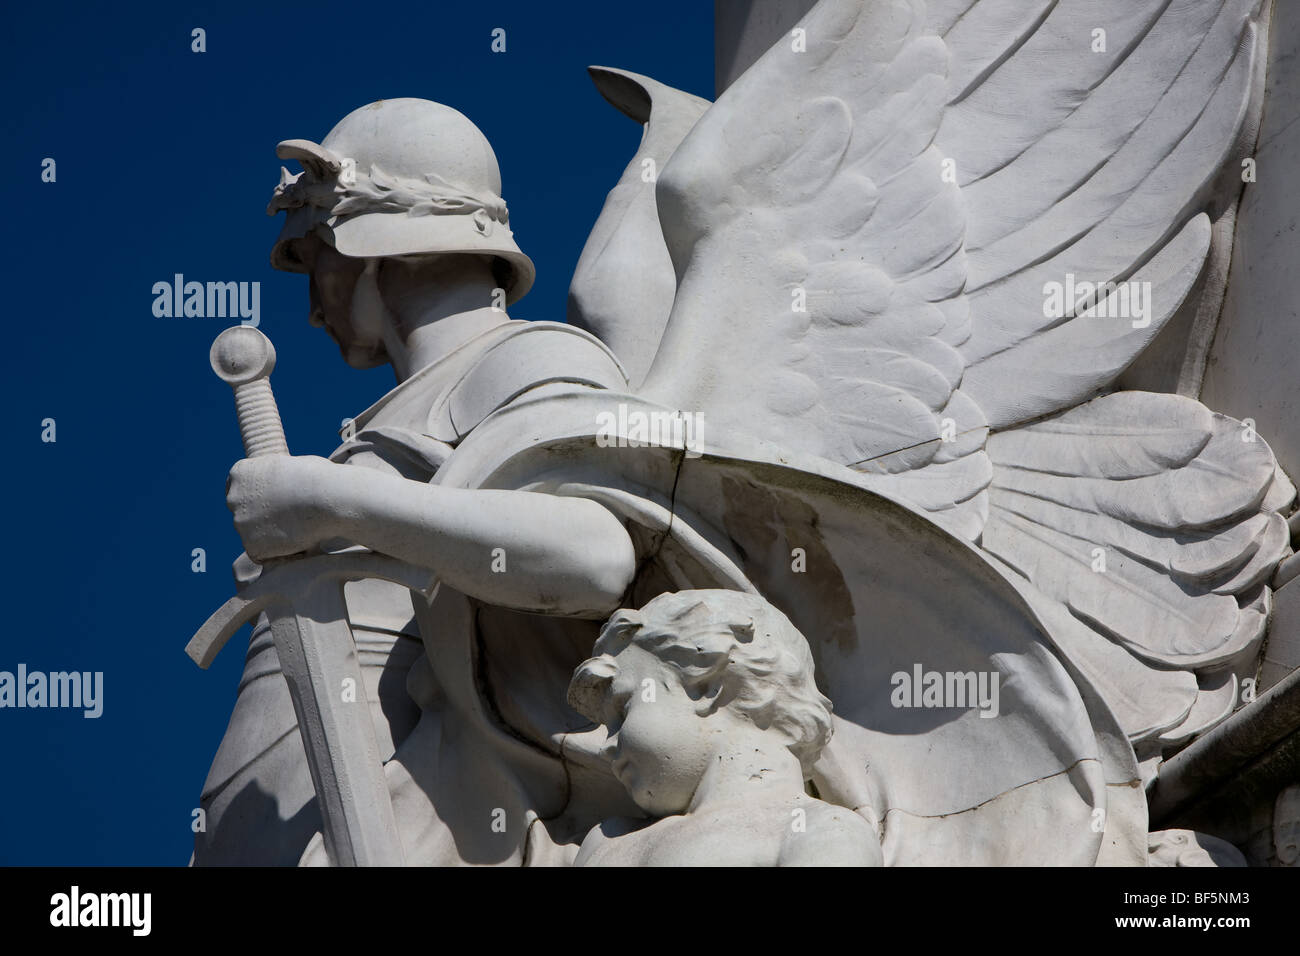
<point>865,230</point>
<point>1155,522</point>
<point>876,178</point>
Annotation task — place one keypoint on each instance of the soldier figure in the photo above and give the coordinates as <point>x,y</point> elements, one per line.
<point>397,220</point>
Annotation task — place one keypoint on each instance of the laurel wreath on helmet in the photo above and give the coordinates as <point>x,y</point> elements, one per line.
<point>349,191</point>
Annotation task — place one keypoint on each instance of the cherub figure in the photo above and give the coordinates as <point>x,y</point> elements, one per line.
<point>713,724</point>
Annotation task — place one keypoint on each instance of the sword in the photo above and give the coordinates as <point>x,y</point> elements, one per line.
<point>303,598</point>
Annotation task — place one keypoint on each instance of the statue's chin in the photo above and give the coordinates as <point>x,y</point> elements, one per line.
<point>655,802</point>
<point>364,356</point>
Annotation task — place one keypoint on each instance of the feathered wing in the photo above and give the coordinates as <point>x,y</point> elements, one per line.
<point>1101,172</point>
<point>818,245</point>
<point>868,230</point>
<point>1153,521</point>
<point>1156,524</point>
<point>622,288</point>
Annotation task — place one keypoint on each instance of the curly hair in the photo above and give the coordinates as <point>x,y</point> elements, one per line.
<point>732,649</point>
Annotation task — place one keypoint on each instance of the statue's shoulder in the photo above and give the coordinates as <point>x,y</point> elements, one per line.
<point>520,356</point>
<point>829,835</point>
<point>418,423</point>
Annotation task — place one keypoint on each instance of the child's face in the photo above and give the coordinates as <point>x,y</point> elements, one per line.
<point>658,747</point>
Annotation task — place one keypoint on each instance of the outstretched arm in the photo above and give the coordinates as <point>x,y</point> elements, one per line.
<point>518,549</point>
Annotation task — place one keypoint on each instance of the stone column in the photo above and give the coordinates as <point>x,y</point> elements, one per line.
<point>1253,365</point>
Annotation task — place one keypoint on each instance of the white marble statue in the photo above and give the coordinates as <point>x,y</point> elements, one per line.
<point>852,355</point>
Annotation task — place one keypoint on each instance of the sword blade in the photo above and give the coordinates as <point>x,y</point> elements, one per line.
<point>318,656</point>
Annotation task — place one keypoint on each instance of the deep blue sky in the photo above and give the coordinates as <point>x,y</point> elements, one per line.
<point>165,162</point>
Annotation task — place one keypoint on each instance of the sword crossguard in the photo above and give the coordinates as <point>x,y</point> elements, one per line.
<point>304,602</point>
<point>243,358</point>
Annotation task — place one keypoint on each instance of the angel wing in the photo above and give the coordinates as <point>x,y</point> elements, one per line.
<point>864,230</point>
<point>622,288</point>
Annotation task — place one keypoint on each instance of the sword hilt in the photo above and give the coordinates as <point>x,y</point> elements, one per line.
<point>243,358</point>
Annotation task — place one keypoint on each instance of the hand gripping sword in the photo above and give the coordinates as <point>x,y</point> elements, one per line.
<point>303,598</point>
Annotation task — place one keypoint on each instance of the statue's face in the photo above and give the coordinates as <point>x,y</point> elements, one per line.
<point>1286,826</point>
<point>346,297</point>
<point>333,305</point>
<point>658,747</point>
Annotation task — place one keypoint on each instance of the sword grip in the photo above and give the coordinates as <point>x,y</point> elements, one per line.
<point>243,358</point>
<point>259,420</point>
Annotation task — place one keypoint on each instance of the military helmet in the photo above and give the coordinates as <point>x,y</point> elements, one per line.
<point>396,178</point>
